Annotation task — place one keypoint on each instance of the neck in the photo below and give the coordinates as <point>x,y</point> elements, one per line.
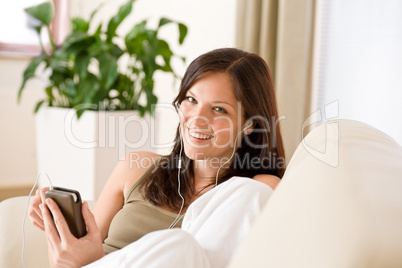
<point>206,170</point>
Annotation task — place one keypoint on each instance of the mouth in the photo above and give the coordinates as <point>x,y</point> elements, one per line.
<point>199,135</point>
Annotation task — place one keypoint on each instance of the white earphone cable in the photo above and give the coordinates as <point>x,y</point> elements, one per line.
<point>178,218</point>
<point>26,212</point>
<point>233,153</point>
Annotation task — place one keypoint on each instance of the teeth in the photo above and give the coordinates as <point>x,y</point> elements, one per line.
<point>200,136</point>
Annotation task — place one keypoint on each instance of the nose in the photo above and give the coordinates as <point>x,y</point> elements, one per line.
<point>198,117</point>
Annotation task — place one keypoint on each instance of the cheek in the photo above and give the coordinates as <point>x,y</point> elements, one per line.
<point>223,127</point>
<point>183,111</point>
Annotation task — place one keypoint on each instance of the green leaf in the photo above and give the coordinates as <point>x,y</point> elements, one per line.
<point>38,105</point>
<point>182,28</point>
<point>50,96</point>
<point>141,110</point>
<point>115,21</point>
<point>116,51</point>
<point>164,21</point>
<point>60,71</point>
<point>77,42</point>
<point>164,49</point>
<point>43,12</point>
<point>38,29</point>
<point>183,32</point>
<point>71,83</point>
<point>98,31</point>
<point>107,70</point>
<point>80,112</point>
<point>135,38</point>
<point>79,24</point>
<point>86,90</point>
<point>70,90</point>
<point>81,65</point>
<point>166,53</point>
<point>151,101</point>
<point>30,72</point>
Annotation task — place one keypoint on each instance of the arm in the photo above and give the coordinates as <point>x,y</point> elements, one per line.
<point>111,199</point>
<point>270,180</point>
<point>67,251</point>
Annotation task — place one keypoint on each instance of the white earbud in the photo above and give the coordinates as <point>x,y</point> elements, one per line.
<point>249,124</point>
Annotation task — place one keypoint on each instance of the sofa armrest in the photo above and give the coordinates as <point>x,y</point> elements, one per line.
<point>11,220</point>
<point>11,238</point>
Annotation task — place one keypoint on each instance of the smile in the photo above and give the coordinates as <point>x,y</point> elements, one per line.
<point>199,135</point>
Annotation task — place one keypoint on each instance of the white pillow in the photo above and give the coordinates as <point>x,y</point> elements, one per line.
<point>340,206</point>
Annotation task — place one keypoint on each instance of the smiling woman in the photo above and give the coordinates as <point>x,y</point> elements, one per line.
<point>227,152</point>
<point>221,92</point>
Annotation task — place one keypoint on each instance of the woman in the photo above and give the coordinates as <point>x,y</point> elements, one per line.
<point>228,127</point>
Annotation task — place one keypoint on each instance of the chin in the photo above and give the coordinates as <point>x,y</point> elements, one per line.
<point>196,156</point>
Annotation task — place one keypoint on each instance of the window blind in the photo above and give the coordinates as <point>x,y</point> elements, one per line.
<point>357,70</point>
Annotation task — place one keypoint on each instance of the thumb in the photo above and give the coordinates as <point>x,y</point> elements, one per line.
<point>89,219</point>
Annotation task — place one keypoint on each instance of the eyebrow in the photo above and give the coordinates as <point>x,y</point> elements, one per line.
<point>215,102</point>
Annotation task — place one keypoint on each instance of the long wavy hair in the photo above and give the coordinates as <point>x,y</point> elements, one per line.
<point>260,152</point>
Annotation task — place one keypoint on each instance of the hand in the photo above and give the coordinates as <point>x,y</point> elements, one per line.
<point>65,250</point>
<point>34,212</point>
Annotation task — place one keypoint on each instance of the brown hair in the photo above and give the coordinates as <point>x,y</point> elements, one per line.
<point>260,152</point>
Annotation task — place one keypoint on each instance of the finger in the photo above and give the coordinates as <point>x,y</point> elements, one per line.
<point>41,227</point>
<point>51,232</point>
<point>89,219</point>
<point>36,220</point>
<point>42,193</point>
<point>34,210</point>
<point>59,220</point>
<point>36,213</point>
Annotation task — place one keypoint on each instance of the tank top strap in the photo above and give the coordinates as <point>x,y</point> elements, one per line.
<point>131,193</point>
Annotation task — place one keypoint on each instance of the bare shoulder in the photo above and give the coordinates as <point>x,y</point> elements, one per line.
<point>134,165</point>
<point>129,169</point>
<point>270,180</point>
<point>111,199</point>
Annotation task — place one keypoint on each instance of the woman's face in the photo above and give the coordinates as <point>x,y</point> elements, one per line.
<point>210,118</point>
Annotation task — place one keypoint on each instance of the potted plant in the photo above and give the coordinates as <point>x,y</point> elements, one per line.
<point>92,73</point>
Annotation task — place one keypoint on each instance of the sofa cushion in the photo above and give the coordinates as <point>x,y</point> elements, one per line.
<point>11,218</point>
<point>339,204</point>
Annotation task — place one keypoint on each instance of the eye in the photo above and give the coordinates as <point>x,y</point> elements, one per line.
<point>220,110</point>
<point>191,99</point>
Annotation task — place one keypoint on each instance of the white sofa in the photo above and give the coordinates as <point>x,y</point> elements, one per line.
<point>338,205</point>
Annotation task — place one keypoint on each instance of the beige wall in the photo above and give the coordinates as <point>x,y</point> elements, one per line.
<point>17,137</point>
<point>210,25</point>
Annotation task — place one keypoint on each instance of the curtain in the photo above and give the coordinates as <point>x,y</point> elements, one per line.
<point>282,32</point>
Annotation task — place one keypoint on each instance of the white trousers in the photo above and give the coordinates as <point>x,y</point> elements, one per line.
<point>213,228</point>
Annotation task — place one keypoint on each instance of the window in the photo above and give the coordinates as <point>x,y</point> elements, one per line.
<point>16,38</point>
<point>358,62</point>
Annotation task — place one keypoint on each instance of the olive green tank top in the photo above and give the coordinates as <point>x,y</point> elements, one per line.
<point>136,218</point>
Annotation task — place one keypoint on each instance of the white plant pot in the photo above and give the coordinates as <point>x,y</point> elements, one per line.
<point>81,154</point>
